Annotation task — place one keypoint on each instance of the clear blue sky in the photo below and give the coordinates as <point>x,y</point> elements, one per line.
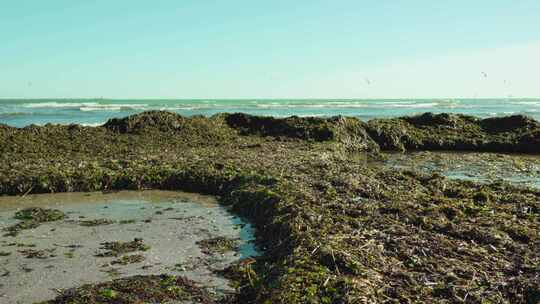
<point>249,49</point>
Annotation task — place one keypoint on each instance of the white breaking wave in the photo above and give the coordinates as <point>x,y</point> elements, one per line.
<point>276,105</point>
<point>40,105</point>
<point>96,124</point>
<point>527,103</point>
<point>411,105</point>
<point>86,106</point>
<point>390,104</point>
<point>115,107</point>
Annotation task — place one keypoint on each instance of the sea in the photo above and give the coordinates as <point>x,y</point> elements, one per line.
<point>95,112</point>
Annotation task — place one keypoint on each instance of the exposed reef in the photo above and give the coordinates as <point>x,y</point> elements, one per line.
<point>333,229</point>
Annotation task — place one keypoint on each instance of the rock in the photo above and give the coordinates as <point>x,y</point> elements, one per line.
<point>508,123</point>
<point>160,120</point>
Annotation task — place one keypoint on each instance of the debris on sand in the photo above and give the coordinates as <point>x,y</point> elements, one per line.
<point>137,289</point>
<point>32,218</point>
<point>118,248</point>
<point>129,259</point>
<point>218,245</point>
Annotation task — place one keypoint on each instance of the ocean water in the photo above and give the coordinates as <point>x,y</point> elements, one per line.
<point>95,112</point>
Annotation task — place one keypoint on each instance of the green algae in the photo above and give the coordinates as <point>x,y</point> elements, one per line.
<point>118,248</point>
<point>96,222</point>
<point>129,259</point>
<point>39,215</point>
<point>218,245</point>
<point>32,218</point>
<point>332,229</point>
<point>137,289</point>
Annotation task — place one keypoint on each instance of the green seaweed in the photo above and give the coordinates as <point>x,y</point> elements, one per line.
<point>137,289</point>
<point>39,215</point>
<point>332,228</point>
<point>218,245</point>
<point>117,248</point>
<point>129,259</point>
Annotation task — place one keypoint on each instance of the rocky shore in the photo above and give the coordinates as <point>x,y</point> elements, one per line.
<point>333,229</point>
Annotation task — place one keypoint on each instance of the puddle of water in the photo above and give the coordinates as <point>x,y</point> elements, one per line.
<point>482,167</point>
<point>171,223</point>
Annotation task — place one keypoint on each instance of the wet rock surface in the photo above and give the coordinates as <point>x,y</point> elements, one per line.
<point>333,228</point>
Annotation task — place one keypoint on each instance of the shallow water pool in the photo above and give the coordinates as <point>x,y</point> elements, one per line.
<point>171,227</point>
<point>517,169</point>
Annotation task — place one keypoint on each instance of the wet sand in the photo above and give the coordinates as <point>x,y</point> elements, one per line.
<point>171,223</point>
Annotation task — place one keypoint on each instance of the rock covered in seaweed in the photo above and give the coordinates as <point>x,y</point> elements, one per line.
<point>309,128</point>
<point>347,130</point>
<point>445,131</point>
<point>160,120</point>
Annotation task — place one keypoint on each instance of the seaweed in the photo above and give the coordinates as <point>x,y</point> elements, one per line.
<point>96,222</point>
<point>332,228</point>
<point>37,254</point>
<point>136,289</point>
<point>117,248</point>
<point>39,215</point>
<point>129,259</point>
<point>218,245</point>
<point>32,218</point>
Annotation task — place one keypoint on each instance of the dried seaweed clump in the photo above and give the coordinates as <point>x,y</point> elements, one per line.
<point>32,218</point>
<point>39,215</point>
<point>129,259</point>
<point>135,290</point>
<point>117,248</point>
<point>96,222</point>
<point>218,245</point>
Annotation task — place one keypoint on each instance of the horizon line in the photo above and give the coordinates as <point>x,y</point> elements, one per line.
<point>257,98</point>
